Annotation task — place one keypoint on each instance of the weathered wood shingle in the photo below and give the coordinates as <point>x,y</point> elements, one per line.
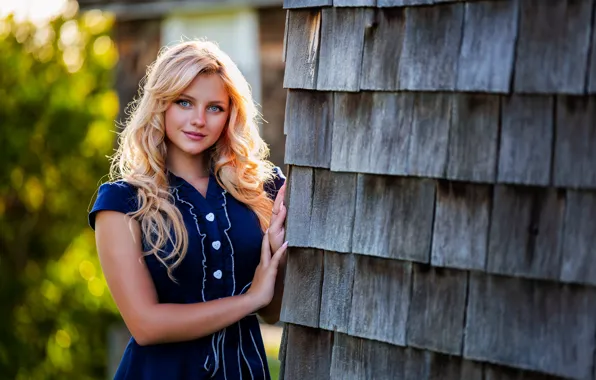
<point>336,297</point>
<point>394,217</point>
<point>354,3</point>
<point>529,324</point>
<point>332,217</point>
<point>575,145</point>
<point>380,299</point>
<point>429,135</point>
<point>302,50</point>
<point>431,48</point>
<point>437,309</point>
<point>309,119</point>
<point>592,68</point>
<point>487,66</point>
<point>473,138</point>
<point>362,359</point>
<point>300,196</point>
<point>310,351</point>
<point>306,3</point>
<point>553,46</point>
<point>579,238</point>
<point>525,232</point>
<point>526,140</point>
<point>368,141</point>
<point>342,39</point>
<point>303,282</point>
<point>383,40</point>
<point>461,224</point>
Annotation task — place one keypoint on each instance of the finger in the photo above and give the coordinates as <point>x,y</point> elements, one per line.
<point>265,249</point>
<point>278,221</point>
<point>278,199</point>
<point>278,255</point>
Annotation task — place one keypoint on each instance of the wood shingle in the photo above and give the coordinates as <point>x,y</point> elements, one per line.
<point>460,233</point>
<point>473,138</point>
<point>526,140</point>
<point>380,299</point>
<point>302,49</point>
<point>431,48</point>
<point>342,38</point>
<point>579,238</point>
<point>530,324</point>
<point>368,141</point>
<point>310,350</point>
<point>437,309</point>
<point>525,232</point>
<point>300,192</point>
<point>336,295</point>
<point>383,40</point>
<point>309,120</point>
<point>553,46</point>
<point>332,218</point>
<point>394,217</point>
<point>484,66</point>
<point>575,156</point>
<point>303,282</point>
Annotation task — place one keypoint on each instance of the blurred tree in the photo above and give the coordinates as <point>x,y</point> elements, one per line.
<point>57,111</point>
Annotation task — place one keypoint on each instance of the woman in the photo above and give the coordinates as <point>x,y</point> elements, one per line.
<point>180,230</point>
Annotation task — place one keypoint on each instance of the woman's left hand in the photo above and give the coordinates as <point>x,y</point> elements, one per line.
<point>276,227</point>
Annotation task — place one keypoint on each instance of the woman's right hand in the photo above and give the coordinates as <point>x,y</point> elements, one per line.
<point>263,282</point>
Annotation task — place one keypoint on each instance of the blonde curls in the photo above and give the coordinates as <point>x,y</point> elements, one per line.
<point>238,158</point>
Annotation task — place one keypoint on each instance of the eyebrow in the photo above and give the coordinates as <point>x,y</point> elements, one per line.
<point>211,102</point>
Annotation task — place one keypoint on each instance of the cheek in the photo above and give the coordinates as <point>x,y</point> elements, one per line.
<point>172,121</point>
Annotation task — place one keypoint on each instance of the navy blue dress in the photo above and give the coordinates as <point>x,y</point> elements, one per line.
<point>223,253</point>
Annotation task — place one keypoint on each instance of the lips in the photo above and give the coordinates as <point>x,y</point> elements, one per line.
<point>195,136</point>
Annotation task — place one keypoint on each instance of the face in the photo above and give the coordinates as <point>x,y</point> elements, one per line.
<point>196,119</point>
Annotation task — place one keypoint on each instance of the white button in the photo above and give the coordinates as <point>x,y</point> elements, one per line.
<point>216,244</point>
<point>217,274</point>
<point>210,217</point>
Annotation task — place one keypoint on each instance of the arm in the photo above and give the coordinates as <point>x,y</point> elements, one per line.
<point>276,233</point>
<point>134,293</point>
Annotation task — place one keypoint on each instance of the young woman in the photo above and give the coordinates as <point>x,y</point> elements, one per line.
<point>190,231</point>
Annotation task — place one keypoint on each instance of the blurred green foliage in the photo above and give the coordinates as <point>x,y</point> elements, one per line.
<point>57,111</point>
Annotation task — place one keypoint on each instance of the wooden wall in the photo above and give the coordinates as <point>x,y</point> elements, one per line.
<point>442,190</point>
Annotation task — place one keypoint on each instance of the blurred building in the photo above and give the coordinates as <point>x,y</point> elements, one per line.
<point>250,31</point>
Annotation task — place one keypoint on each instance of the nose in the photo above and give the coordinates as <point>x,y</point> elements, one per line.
<point>198,118</point>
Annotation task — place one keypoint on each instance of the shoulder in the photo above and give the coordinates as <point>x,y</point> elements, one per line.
<point>272,186</point>
<point>115,196</point>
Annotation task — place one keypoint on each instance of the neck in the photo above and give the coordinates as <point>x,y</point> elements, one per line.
<point>187,166</point>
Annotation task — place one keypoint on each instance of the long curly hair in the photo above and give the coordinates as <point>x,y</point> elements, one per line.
<point>238,158</point>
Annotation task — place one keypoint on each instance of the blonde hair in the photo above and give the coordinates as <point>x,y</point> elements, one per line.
<point>238,157</point>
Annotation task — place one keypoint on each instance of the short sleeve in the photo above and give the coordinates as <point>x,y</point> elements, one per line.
<point>272,187</point>
<point>114,196</point>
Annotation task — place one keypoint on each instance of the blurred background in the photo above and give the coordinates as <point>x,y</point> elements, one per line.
<point>67,71</point>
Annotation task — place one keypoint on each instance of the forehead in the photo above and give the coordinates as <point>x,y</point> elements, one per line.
<point>207,86</point>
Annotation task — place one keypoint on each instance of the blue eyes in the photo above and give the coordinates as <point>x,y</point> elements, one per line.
<point>187,104</point>
<point>215,108</point>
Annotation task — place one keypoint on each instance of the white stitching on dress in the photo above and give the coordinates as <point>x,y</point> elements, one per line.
<point>239,366</point>
<point>229,240</point>
<point>258,353</point>
<point>205,365</point>
<point>242,351</point>
<point>203,236</point>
